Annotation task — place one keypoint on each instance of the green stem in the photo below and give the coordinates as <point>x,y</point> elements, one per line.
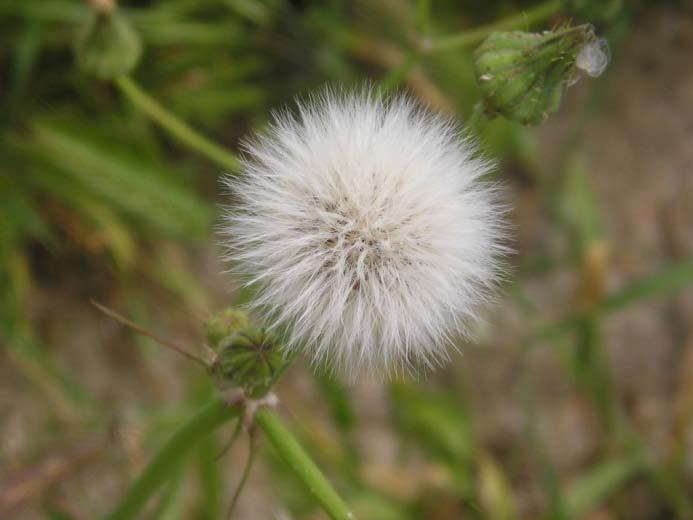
<point>160,468</point>
<point>423,16</point>
<point>473,36</point>
<point>293,454</point>
<point>176,127</point>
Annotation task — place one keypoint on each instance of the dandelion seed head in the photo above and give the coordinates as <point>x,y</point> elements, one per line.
<point>366,228</point>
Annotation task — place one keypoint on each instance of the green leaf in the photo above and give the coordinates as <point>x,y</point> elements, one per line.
<point>439,425</point>
<point>129,184</point>
<point>669,280</point>
<point>591,489</point>
<point>494,489</point>
<point>208,466</point>
<point>665,282</point>
<point>336,396</point>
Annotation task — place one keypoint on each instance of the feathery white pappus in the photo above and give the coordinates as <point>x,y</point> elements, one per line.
<point>366,227</point>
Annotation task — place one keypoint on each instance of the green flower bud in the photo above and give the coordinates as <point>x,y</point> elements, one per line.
<point>523,75</point>
<point>247,357</point>
<point>225,323</point>
<point>107,46</point>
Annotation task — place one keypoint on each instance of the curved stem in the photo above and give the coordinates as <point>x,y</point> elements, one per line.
<point>252,451</point>
<point>477,35</point>
<point>293,454</point>
<point>175,126</point>
<point>210,417</point>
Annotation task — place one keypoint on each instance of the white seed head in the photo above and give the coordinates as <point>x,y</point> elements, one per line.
<point>593,57</point>
<point>367,229</point>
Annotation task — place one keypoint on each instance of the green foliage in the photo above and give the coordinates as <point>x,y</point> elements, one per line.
<point>439,425</point>
<point>101,173</point>
<point>670,279</point>
<point>591,489</point>
<point>577,208</point>
<point>129,185</point>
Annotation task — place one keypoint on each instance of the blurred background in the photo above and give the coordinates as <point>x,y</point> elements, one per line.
<point>575,402</point>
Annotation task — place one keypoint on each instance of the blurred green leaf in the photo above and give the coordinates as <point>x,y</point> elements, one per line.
<point>171,505</point>
<point>371,505</point>
<point>592,488</point>
<point>577,206</point>
<point>24,59</point>
<point>494,490</point>
<point>439,425</point>
<point>128,183</point>
<point>112,232</point>
<point>20,216</point>
<point>209,468</point>
<point>214,105</point>
<point>336,396</point>
<point>668,280</point>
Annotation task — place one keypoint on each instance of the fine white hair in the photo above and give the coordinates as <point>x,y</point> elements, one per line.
<point>593,57</point>
<point>365,227</point>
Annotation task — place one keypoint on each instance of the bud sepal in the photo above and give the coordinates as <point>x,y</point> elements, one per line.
<point>245,356</point>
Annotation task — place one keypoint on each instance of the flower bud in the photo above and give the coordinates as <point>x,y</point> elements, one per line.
<point>247,357</point>
<point>523,75</point>
<point>107,46</point>
<point>225,323</point>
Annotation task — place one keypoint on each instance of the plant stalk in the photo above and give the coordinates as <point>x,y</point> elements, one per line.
<point>293,454</point>
<point>177,128</point>
<point>210,417</point>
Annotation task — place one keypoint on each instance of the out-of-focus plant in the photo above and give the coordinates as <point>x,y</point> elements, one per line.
<point>244,362</point>
<point>81,171</point>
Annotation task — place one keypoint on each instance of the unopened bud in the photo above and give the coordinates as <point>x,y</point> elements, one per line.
<point>523,75</point>
<point>225,323</point>
<point>107,46</point>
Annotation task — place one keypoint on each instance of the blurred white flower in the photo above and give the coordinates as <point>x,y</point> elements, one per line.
<point>367,229</point>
